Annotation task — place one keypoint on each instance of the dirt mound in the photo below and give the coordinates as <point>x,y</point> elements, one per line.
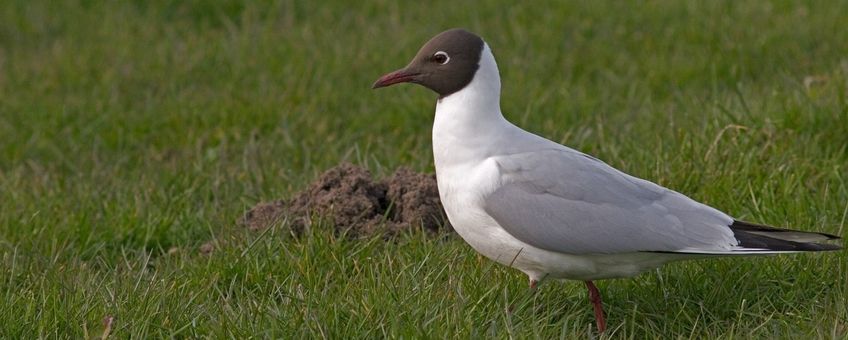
<point>350,199</point>
<point>263,215</point>
<point>415,199</point>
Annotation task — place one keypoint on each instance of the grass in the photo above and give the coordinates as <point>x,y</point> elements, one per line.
<point>133,132</point>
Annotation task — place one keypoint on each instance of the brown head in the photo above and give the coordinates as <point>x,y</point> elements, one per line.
<point>445,64</point>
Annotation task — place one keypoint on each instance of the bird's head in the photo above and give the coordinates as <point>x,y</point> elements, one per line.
<point>445,64</point>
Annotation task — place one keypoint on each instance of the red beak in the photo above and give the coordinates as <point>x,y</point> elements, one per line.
<point>399,76</point>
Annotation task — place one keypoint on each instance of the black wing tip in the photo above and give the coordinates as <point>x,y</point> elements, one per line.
<point>813,247</point>
<point>749,226</point>
<point>750,235</point>
<point>827,247</point>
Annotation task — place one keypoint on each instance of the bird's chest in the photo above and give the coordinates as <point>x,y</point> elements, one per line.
<point>462,190</point>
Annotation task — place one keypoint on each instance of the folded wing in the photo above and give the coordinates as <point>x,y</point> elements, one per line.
<point>564,201</point>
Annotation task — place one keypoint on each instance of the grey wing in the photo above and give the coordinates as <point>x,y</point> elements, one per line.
<point>567,202</point>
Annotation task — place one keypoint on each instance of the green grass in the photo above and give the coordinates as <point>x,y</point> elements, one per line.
<point>133,132</point>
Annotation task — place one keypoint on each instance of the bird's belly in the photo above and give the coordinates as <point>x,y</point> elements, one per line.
<point>494,243</point>
<point>538,264</point>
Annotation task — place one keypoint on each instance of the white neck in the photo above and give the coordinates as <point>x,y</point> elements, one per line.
<point>479,101</point>
<point>469,121</point>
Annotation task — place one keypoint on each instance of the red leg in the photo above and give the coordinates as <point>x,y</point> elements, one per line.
<point>595,297</point>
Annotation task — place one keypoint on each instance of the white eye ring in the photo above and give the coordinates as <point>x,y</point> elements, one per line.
<point>442,53</point>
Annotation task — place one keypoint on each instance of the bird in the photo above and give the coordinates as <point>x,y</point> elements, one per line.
<point>551,211</point>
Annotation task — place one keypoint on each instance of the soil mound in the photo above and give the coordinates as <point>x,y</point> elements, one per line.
<point>353,202</point>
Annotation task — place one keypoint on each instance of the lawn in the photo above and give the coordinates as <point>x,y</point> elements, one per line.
<point>133,132</point>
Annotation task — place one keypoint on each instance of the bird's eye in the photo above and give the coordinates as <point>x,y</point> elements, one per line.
<point>441,57</point>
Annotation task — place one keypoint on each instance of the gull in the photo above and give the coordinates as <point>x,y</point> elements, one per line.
<point>551,211</point>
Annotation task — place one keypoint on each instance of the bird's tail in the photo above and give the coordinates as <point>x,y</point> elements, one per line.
<point>758,239</point>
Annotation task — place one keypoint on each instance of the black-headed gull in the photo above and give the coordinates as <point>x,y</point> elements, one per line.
<point>551,211</point>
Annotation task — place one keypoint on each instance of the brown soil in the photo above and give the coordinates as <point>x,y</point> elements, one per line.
<point>348,198</point>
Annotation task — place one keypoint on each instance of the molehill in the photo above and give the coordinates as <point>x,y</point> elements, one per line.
<point>348,198</point>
